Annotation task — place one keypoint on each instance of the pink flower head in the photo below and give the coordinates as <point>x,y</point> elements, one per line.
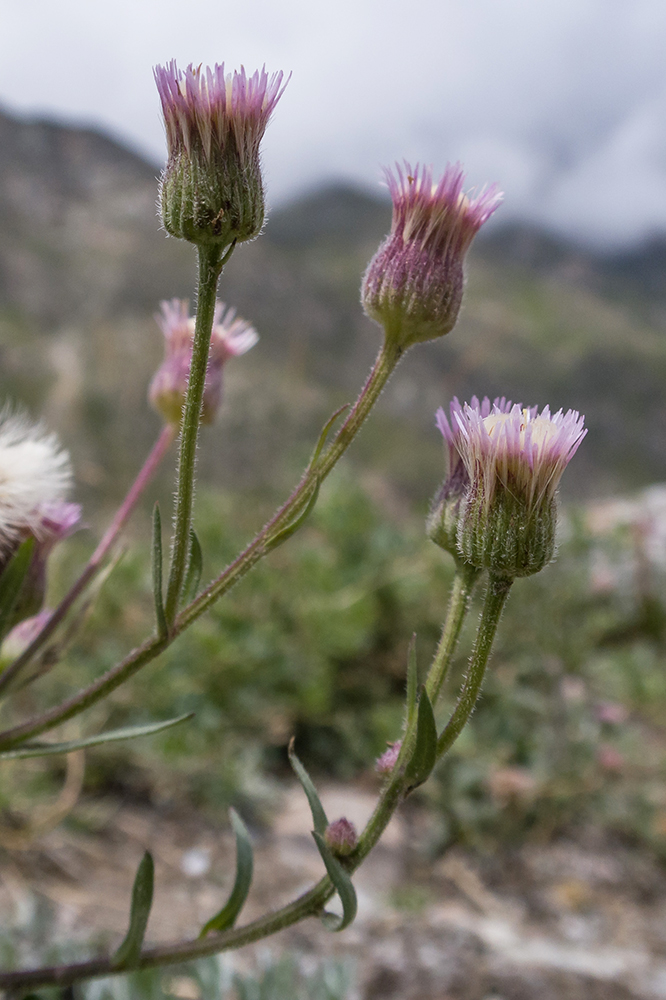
<point>387,761</point>
<point>341,837</point>
<point>231,337</point>
<point>212,190</point>
<point>514,458</point>
<point>414,284</point>
<point>444,517</point>
<point>209,109</point>
<point>513,448</point>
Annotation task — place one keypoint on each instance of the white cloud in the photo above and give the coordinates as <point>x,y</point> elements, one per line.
<point>542,96</point>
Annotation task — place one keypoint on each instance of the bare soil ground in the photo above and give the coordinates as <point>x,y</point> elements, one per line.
<point>574,920</point>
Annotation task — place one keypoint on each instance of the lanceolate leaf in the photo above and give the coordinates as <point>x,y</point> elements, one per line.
<point>324,434</point>
<point>244,868</point>
<point>292,528</point>
<point>194,568</point>
<point>142,899</point>
<point>35,749</point>
<point>318,815</point>
<point>343,885</point>
<point>412,680</point>
<point>160,617</point>
<point>424,754</point>
<point>11,582</point>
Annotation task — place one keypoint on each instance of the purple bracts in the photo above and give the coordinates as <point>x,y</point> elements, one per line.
<point>205,108</point>
<point>413,285</point>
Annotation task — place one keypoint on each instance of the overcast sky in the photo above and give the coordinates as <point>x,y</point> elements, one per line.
<point>561,101</point>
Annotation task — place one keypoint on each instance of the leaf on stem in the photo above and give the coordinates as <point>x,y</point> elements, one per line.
<point>318,815</point>
<point>424,754</point>
<point>129,952</point>
<point>244,868</point>
<point>194,569</point>
<point>11,582</point>
<point>343,886</point>
<point>324,434</point>
<point>412,680</point>
<point>162,628</point>
<point>34,749</point>
<point>292,528</point>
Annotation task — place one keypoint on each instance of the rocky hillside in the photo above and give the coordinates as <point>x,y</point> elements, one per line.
<point>83,264</point>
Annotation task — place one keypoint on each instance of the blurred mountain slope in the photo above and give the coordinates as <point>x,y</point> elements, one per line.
<point>83,264</point>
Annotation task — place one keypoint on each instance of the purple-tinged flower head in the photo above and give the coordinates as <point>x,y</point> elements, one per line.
<point>388,760</point>
<point>413,286</point>
<point>54,521</point>
<point>231,337</point>
<point>443,519</point>
<point>212,190</point>
<point>341,837</point>
<point>514,458</point>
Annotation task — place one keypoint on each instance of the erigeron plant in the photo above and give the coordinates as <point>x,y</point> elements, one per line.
<point>495,512</point>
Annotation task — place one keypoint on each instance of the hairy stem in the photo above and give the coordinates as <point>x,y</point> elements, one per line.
<point>497,592</point>
<point>383,368</point>
<point>210,267</point>
<point>262,544</point>
<point>311,902</point>
<point>463,585</point>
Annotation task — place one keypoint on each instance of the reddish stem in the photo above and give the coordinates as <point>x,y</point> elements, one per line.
<point>147,472</point>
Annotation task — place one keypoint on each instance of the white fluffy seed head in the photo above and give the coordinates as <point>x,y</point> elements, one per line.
<point>34,470</point>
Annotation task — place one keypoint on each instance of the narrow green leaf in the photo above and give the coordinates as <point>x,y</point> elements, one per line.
<point>11,582</point>
<point>194,569</point>
<point>343,885</point>
<point>129,952</point>
<point>412,680</point>
<point>292,528</point>
<point>162,629</point>
<point>318,815</point>
<point>244,868</point>
<point>424,754</point>
<point>324,434</point>
<point>34,749</point>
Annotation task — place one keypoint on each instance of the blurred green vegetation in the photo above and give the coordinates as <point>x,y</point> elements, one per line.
<point>570,729</point>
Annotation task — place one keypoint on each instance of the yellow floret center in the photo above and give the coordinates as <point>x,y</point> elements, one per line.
<point>542,429</point>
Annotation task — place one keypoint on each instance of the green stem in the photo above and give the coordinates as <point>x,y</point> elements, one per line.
<point>463,585</point>
<point>262,544</point>
<point>384,366</point>
<point>210,267</point>
<point>495,598</point>
<point>393,792</point>
<point>311,902</point>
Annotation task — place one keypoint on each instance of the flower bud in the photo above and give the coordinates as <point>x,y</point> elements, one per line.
<point>212,190</point>
<point>56,521</point>
<point>514,458</point>
<point>341,837</point>
<point>230,338</point>
<point>21,636</point>
<point>413,286</point>
<point>442,521</point>
<point>387,761</point>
